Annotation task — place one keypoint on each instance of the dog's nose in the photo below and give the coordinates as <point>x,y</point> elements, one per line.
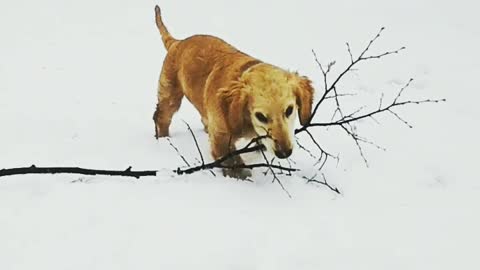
<point>283,153</point>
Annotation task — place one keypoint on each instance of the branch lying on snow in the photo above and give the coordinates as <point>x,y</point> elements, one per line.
<point>271,166</point>
<point>324,182</point>
<point>253,146</point>
<point>75,170</point>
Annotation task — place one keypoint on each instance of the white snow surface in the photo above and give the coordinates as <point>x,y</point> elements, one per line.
<point>78,88</point>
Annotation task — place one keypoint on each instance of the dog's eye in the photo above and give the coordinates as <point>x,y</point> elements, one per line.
<point>262,118</point>
<point>289,111</point>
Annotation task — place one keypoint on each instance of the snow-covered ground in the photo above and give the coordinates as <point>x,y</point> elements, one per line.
<point>78,88</point>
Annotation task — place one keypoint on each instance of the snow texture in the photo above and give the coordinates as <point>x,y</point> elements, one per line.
<point>78,88</point>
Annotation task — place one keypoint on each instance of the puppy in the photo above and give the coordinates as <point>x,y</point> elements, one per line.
<point>237,95</point>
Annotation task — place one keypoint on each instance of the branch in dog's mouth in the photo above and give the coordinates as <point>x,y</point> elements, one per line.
<point>254,145</point>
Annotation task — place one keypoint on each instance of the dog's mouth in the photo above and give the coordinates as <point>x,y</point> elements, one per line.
<point>272,145</point>
<point>282,154</point>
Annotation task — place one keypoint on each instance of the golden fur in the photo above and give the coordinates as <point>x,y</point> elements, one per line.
<point>230,89</point>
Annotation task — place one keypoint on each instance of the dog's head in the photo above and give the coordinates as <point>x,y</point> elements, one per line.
<point>270,98</point>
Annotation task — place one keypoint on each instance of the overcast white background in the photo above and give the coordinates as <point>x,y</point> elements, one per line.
<point>78,88</point>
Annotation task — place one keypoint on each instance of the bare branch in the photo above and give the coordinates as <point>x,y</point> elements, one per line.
<point>383,54</point>
<point>403,89</point>
<point>345,121</point>
<point>305,149</point>
<point>324,182</point>
<point>381,102</point>
<point>371,42</point>
<point>350,52</point>
<point>253,146</point>
<point>400,118</point>
<point>373,113</point>
<point>74,170</point>
<point>275,177</point>
<point>356,139</point>
<point>178,152</point>
<point>196,142</point>
<point>340,95</point>
<point>332,87</point>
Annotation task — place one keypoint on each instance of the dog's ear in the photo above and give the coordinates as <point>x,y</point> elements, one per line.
<point>304,96</point>
<point>233,102</point>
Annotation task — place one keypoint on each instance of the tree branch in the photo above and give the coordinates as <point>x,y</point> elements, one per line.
<point>75,170</point>
<point>346,121</point>
<point>332,87</point>
<point>324,182</point>
<point>253,146</point>
<point>275,177</point>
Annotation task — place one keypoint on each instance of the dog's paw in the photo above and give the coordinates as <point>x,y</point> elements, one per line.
<point>241,174</point>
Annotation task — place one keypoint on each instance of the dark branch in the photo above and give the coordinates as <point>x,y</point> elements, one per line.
<point>275,177</point>
<point>328,89</point>
<point>75,170</point>
<point>196,142</point>
<point>324,182</point>
<point>253,146</point>
<point>178,152</point>
<point>346,121</point>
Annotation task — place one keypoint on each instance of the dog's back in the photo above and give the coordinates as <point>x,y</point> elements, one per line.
<point>198,63</point>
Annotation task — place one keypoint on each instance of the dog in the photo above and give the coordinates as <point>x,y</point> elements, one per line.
<point>237,96</point>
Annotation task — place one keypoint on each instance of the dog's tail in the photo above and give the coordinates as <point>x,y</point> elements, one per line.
<point>168,40</point>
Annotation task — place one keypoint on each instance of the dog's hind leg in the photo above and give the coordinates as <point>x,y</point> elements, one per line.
<point>169,101</point>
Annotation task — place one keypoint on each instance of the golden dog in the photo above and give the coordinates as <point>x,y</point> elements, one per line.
<point>237,95</point>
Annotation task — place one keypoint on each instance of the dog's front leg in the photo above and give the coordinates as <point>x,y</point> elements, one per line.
<point>222,145</point>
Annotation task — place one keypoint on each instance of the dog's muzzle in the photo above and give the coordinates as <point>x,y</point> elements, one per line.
<point>283,153</point>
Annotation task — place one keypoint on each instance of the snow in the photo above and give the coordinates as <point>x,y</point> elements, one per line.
<point>78,88</point>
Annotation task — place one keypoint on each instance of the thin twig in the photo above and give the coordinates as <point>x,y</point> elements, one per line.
<point>249,148</point>
<point>324,182</point>
<point>275,178</point>
<point>196,142</point>
<point>178,152</point>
